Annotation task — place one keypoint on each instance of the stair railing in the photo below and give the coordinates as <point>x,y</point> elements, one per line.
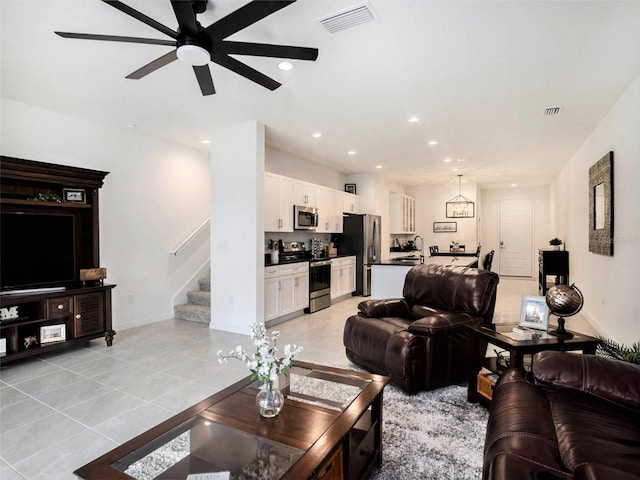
<point>186,241</point>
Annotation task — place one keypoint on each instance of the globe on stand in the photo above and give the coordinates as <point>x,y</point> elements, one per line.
<point>563,301</point>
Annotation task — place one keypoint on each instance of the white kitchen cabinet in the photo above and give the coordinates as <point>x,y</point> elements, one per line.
<point>325,206</point>
<point>286,289</point>
<point>278,203</point>
<point>403,214</point>
<point>350,203</point>
<point>343,276</point>
<point>336,211</point>
<point>304,193</point>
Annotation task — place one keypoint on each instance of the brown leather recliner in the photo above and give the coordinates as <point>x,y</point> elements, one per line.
<point>420,341</point>
<point>574,417</point>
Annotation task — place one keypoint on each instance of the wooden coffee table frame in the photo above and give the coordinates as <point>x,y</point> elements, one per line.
<point>316,430</point>
<point>517,350</point>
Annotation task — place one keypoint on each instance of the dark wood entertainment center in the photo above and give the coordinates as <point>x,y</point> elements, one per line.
<point>35,321</point>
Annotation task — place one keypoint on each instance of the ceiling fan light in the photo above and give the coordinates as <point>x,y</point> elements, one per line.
<point>193,55</point>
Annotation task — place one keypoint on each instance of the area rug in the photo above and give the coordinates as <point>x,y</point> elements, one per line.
<point>431,435</point>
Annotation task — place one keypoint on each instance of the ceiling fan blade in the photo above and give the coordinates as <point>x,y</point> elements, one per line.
<point>153,66</point>
<point>244,16</point>
<point>267,50</point>
<point>186,17</point>
<point>142,17</point>
<point>115,38</point>
<point>203,74</point>
<point>246,71</point>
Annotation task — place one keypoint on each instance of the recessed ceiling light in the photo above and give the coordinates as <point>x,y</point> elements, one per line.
<point>316,135</point>
<point>514,184</point>
<point>455,169</point>
<point>206,141</point>
<point>378,166</point>
<point>414,119</point>
<point>351,152</point>
<point>131,125</point>
<point>461,160</point>
<point>285,66</point>
<point>433,142</point>
<point>447,160</point>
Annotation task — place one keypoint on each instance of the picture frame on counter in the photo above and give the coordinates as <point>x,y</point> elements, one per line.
<point>445,227</point>
<point>350,188</point>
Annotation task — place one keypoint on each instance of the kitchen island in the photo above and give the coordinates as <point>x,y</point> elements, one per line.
<point>387,277</point>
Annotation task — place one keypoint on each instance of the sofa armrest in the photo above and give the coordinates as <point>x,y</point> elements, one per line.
<point>392,307</point>
<point>612,380</point>
<point>442,322</point>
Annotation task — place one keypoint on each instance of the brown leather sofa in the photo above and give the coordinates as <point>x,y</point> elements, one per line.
<point>420,341</point>
<point>574,417</point>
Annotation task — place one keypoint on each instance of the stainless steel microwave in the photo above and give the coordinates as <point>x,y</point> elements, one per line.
<point>305,218</point>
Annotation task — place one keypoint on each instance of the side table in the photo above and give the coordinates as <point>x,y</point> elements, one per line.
<point>517,350</point>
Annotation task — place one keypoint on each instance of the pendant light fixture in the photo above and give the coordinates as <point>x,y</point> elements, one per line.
<point>460,206</point>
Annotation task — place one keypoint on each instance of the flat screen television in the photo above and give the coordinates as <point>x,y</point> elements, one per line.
<point>36,250</point>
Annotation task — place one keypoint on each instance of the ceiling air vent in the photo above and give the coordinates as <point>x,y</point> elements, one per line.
<point>351,17</point>
<point>550,111</point>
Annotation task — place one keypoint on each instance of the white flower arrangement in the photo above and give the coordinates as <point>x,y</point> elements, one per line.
<point>264,364</point>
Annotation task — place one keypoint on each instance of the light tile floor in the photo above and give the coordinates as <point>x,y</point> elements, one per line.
<point>60,411</point>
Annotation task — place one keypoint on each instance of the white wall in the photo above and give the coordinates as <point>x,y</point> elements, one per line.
<point>431,207</point>
<point>155,195</point>
<point>489,221</point>
<point>292,166</point>
<point>237,227</point>
<point>609,284</point>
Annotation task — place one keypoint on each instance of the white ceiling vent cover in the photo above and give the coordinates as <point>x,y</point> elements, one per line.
<point>550,111</point>
<point>351,17</point>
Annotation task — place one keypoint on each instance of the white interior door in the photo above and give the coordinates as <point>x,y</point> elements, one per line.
<point>516,234</point>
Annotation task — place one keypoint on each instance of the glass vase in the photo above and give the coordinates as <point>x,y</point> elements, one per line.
<point>269,400</point>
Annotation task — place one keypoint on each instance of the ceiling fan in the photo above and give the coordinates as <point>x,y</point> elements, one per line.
<point>197,45</point>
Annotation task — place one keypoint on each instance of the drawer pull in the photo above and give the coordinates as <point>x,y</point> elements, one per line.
<point>326,471</point>
<point>61,306</point>
<point>78,316</point>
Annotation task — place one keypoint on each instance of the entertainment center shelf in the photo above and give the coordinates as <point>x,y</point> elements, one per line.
<point>50,233</point>
<point>53,320</point>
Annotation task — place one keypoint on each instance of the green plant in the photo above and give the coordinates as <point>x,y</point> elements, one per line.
<point>609,348</point>
<point>47,197</point>
<point>555,241</point>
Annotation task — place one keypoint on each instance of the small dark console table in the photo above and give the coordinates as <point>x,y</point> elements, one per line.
<point>553,263</point>
<point>52,233</point>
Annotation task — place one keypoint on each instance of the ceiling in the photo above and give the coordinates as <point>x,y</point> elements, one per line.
<point>479,75</point>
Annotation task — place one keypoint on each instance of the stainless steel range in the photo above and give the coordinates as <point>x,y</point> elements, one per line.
<point>319,285</point>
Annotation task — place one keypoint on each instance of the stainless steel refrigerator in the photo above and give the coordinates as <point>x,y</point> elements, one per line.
<point>361,237</point>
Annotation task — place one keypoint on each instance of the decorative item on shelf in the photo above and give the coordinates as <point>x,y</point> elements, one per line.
<point>350,188</point>
<point>266,366</point>
<point>30,341</point>
<point>76,195</point>
<point>9,313</point>
<point>460,206</point>
<point>555,243</point>
<point>47,197</point>
<point>92,274</point>
<point>53,334</point>
<point>564,301</point>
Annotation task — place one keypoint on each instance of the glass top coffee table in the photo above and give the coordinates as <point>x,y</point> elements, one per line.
<point>326,410</point>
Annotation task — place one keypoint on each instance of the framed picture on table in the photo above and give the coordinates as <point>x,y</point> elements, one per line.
<point>534,313</point>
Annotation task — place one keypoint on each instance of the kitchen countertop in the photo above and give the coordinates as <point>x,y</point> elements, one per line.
<point>267,260</point>
<point>412,260</point>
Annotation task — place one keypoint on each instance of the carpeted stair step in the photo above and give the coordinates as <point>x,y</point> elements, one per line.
<point>193,313</point>
<point>205,284</point>
<point>199,297</point>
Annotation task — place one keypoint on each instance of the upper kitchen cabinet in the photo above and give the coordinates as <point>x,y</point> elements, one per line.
<point>403,214</point>
<point>304,193</point>
<point>278,203</point>
<point>350,203</point>
<point>325,203</point>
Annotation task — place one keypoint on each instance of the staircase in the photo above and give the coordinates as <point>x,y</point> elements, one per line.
<point>199,307</point>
